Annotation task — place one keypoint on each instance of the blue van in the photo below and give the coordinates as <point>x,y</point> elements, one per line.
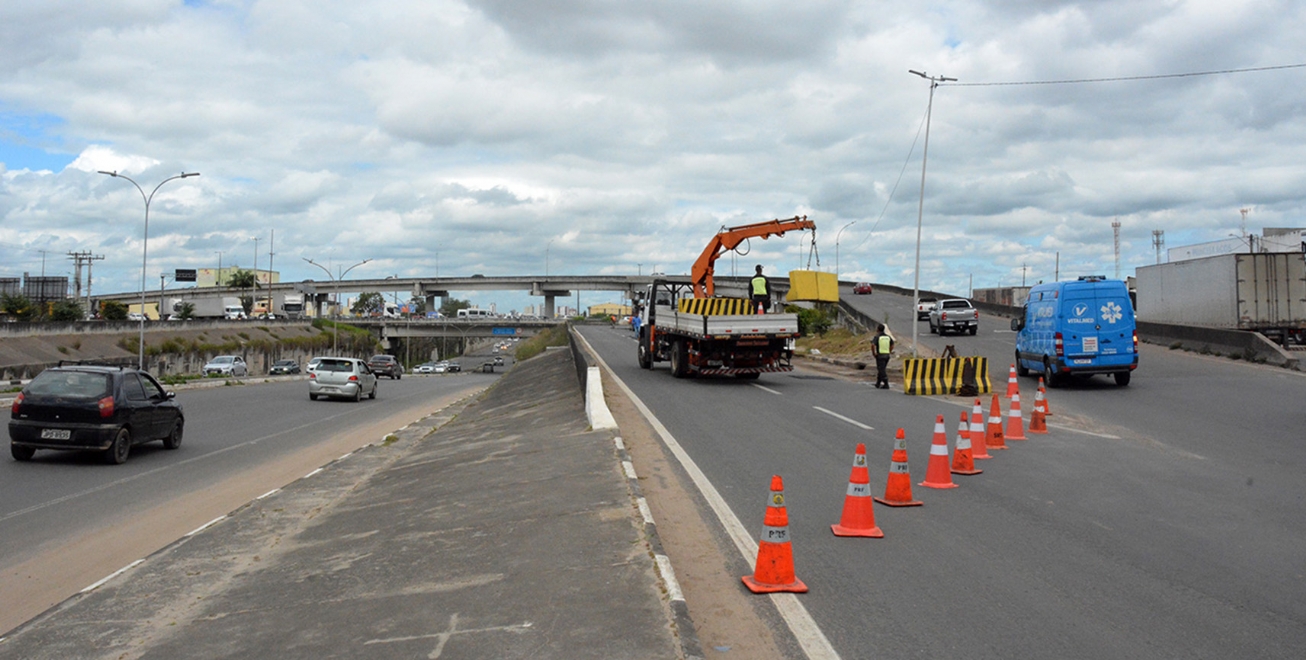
<point>1080,327</point>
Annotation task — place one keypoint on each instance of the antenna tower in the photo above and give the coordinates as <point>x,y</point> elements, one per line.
<point>1158,242</point>
<point>1115,231</point>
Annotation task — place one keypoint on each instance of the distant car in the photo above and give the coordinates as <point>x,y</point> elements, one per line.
<point>425,368</point>
<point>312,364</point>
<point>100,408</point>
<point>498,360</point>
<point>226,365</point>
<point>862,288</point>
<point>923,308</point>
<point>284,367</point>
<point>342,378</point>
<point>385,365</point>
<point>135,316</point>
<point>453,367</point>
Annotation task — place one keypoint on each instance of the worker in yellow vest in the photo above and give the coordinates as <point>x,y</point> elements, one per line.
<point>881,348</point>
<point>760,289</point>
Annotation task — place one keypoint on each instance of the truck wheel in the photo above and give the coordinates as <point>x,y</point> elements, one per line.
<point>1050,375</point>
<point>752,376</point>
<point>645,352</point>
<point>679,359</point>
<point>973,330</point>
<point>1122,378</point>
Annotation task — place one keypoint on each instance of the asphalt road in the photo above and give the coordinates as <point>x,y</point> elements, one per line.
<point>67,520</point>
<point>1159,520</point>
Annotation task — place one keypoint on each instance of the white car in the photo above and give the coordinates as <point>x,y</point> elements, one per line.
<point>226,365</point>
<point>345,378</point>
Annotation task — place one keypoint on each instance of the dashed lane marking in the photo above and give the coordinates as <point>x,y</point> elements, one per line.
<point>846,419</point>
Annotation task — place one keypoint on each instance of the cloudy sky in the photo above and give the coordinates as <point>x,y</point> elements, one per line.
<point>617,137</point>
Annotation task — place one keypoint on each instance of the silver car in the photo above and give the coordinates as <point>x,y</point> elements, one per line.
<point>342,378</point>
<point>226,365</point>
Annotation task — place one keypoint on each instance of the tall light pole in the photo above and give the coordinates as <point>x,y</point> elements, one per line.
<point>217,279</point>
<point>836,250</point>
<point>546,257</point>
<point>255,291</point>
<point>145,245</point>
<point>335,323</point>
<point>920,209</point>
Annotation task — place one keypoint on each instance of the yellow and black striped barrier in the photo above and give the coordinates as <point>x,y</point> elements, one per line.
<point>715,306</point>
<point>943,375</point>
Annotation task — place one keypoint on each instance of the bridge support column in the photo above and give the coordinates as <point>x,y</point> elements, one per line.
<point>548,307</point>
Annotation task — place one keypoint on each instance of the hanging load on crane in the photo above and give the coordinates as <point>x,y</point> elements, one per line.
<point>701,333</point>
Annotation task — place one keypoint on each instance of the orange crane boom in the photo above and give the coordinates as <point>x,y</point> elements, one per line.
<point>729,238</point>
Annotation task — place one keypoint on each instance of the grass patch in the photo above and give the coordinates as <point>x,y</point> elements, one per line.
<point>555,336</point>
<point>389,439</point>
<point>836,341</point>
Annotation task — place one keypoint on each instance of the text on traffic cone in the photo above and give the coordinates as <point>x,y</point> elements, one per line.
<point>1037,424</point>
<point>993,438</point>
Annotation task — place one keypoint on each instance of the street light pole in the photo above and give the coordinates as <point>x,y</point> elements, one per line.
<point>335,323</point>
<point>145,247</point>
<point>836,250</point>
<point>546,257</point>
<point>217,278</point>
<point>920,209</point>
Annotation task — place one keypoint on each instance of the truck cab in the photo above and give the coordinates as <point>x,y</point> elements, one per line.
<point>1077,328</point>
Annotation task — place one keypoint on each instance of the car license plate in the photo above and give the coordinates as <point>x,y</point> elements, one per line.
<point>56,434</point>
<point>1082,361</point>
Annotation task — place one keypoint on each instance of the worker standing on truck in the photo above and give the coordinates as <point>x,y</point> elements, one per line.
<point>760,288</point>
<point>881,348</point>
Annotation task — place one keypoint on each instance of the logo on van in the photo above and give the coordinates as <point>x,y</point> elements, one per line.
<point>1111,312</point>
<point>1081,309</point>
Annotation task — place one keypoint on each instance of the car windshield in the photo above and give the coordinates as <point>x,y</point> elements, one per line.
<point>284,363</point>
<point>69,384</point>
<point>223,360</point>
<point>335,365</point>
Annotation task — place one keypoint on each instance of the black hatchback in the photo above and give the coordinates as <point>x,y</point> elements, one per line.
<point>109,409</point>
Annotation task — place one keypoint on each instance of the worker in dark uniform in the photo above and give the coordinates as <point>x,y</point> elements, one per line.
<point>881,348</point>
<point>760,290</point>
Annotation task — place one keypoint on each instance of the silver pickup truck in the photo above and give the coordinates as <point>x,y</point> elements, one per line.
<point>954,315</point>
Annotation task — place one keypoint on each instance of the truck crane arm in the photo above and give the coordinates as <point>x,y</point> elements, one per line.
<point>729,238</point>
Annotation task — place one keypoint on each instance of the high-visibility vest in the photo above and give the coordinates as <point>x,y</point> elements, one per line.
<point>759,286</point>
<point>884,344</point>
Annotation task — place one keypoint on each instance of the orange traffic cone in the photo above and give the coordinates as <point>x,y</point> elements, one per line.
<point>1036,422</point>
<point>897,492</point>
<point>1015,424</point>
<point>936,472</point>
<point>993,432</point>
<point>1043,394</point>
<point>963,461</point>
<point>1012,385</point>
<point>775,557</point>
<point>858,517</point>
<point>978,448</point>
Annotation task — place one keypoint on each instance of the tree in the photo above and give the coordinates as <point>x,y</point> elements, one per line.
<point>368,303</point>
<point>452,305</point>
<point>112,310</point>
<point>186,311</point>
<point>18,306</point>
<point>67,310</point>
<point>244,279</point>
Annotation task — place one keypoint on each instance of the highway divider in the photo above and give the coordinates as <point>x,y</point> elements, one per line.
<point>946,375</point>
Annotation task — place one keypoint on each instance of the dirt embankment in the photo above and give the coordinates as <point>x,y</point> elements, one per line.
<point>176,351</point>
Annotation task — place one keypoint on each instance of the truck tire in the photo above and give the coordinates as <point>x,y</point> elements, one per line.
<point>973,330</point>
<point>645,352</point>
<point>679,359</point>
<point>1122,378</point>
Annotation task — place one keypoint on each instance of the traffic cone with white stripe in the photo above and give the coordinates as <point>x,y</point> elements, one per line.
<point>1036,422</point>
<point>978,448</point>
<point>1015,423</point>
<point>963,460</point>
<point>897,492</point>
<point>774,570</point>
<point>1043,394</point>
<point>858,517</point>
<point>993,432</point>
<point>1012,385</point>
<point>937,473</point>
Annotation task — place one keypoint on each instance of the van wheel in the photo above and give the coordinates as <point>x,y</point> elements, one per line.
<point>1050,376</point>
<point>1122,378</point>
<point>1020,367</point>
<point>679,359</point>
<point>121,447</point>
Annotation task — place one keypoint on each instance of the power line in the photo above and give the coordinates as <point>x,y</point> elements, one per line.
<point>1162,76</point>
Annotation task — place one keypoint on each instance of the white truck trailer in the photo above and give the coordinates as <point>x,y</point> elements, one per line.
<point>227,307</point>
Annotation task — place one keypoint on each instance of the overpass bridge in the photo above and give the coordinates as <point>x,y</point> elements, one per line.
<point>550,287</point>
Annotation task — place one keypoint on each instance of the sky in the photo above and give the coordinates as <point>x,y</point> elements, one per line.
<point>603,137</point>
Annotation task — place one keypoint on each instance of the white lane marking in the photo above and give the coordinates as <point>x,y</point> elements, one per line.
<point>644,511</point>
<point>312,473</point>
<point>113,575</point>
<point>344,456</point>
<point>619,442</point>
<point>267,494</point>
<point>850,421</point>
<point>669,576</point>
<point>809,635</point>
<point>206,525</point>
<point>630,469</point>
<point>766,389</point>
<point>1059,427</point>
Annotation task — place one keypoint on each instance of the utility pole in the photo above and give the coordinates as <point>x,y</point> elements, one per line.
<point>1243,227</point>
<point>271,244</point>
<point>1115,231</point>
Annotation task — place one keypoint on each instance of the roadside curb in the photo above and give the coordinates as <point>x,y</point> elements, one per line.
<point>690,646</point>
